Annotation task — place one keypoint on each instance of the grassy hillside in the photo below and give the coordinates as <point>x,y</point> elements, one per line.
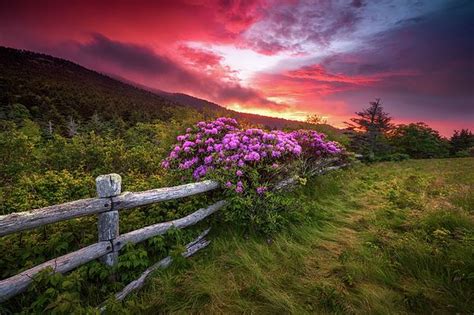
<point>374,238</point>
<point>391,238</point>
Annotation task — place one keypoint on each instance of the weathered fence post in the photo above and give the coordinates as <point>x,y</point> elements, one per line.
<point>109,186</point>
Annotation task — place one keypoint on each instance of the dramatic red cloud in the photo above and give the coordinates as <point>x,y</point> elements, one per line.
<point>320,74</point>
<point>200,57</point>
<point>286,58</point>
<point>310,85</point>
<point>155,23</point>
<point>142,65</point>
<point>209,63</point>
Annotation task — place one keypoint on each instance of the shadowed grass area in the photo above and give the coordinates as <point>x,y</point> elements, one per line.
<point>389,238</point>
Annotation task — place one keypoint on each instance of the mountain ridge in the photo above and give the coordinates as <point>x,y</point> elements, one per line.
<point>52,88</point>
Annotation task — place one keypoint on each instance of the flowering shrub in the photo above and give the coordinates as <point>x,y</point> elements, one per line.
<point>248,162</point>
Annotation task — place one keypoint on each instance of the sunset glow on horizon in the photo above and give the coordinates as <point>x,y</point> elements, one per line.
<point>285,59</point>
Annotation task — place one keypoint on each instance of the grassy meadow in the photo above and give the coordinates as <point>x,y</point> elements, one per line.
<point>387,238</point>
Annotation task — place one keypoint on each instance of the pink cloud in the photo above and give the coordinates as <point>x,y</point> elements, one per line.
<point>141,64</point>
<point>421,67</point>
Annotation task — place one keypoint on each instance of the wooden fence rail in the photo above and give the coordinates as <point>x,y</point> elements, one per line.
<point>107,206</point>
<point>16,222</point>
<point>17,284</point>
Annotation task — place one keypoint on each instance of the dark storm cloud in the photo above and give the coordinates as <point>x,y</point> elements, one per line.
<point>136,58</point>
<point>438,48</point>
<point>357,3</point>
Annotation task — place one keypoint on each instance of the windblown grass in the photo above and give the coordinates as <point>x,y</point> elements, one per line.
<point>390,238</point>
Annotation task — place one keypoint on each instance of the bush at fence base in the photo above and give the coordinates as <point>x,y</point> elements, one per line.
<point>248,163</point>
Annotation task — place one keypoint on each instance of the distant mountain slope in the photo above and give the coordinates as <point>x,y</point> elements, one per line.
<point>54,89</point>
<point>207,106</point>
<point>189,100</point>
<point>269,122</point>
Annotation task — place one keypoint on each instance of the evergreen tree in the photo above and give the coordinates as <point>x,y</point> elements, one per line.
<point>18,113</point>
<point>95,123</point>
<point>461,141</point>
<point>369,130</point>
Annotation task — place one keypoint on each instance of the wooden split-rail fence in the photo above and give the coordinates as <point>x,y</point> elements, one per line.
<point>108,204</point>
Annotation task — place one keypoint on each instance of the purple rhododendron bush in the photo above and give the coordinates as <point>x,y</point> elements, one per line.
<point>250,164</point>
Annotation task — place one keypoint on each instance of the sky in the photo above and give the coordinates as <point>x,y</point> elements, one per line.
<point>286,58</point>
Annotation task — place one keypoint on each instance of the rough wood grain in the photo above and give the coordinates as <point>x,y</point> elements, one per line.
<point>285,183</point>
<point>160,228</point>
<point>108,225</point>
<point>108,230</point>
<point>191,248</point>
<point>26,220</point>
<point>136,199</point>
<point>16,284</point>
<point>333,168</point>
<point>108,185</point>
<point>164,263</point>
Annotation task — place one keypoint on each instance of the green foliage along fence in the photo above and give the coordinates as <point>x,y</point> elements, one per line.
<point>107,205</point>
<point>110,200</point>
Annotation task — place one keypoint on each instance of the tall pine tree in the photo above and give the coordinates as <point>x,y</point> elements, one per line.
<point>369,130</point>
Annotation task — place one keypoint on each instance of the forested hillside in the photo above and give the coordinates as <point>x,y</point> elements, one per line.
<point>56,90</point>
<point>53,90</point>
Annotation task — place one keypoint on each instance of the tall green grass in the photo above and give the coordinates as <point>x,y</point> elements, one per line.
<point>390,238</point>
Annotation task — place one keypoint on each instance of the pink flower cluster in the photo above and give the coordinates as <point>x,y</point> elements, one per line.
<point>222,144</point>
<point>314,143</point>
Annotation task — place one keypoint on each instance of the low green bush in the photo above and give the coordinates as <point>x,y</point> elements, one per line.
<point>464,153</point>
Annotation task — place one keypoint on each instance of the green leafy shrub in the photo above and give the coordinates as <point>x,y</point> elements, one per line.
<point>464,153</point>
<point>398,157</point>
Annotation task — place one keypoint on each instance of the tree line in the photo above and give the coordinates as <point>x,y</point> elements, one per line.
<point>373,135</point>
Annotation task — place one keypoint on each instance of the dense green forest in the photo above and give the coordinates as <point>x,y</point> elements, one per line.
<point>47,89</point>
<point>374,135</point>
